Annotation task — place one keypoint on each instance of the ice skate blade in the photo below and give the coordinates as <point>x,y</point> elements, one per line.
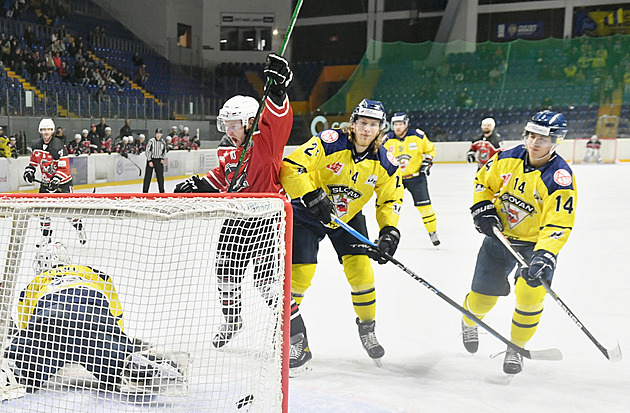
<point>297,371</point>
<point>378,362</point>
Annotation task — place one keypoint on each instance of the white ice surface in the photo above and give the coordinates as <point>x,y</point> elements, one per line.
<point>425,368</point>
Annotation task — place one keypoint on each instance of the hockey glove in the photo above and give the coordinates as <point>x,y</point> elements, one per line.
<point>277,69</point>
<point>541,267</point>
<point>425,168</point>
<point>388,239</point>
<point>485,217</point>
<point>318,205</point>
<point>471,156</point>
<point>29,174</point>
<point>54,183</point>
<point>194,184</point>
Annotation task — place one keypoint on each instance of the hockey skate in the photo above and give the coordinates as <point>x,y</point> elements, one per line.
<point>9,387</point>
<point>299,356</point>
<point>513,362</point>
<point>434,238</point>
<point>470,337</point>
<point>227,331</point>
<point>82,236</point>
<point>370,342</point>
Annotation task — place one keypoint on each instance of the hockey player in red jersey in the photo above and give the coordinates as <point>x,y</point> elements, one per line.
<point>484,146</point>
<point>260,172</point>
<point>51,156</point>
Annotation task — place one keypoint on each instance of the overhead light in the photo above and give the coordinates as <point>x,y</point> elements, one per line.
<point>223,41</point>
<point>275,32</point>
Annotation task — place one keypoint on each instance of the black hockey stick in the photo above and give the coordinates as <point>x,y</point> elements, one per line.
<point>261,106</point>
<point>549,354</point>
<point>46,184</point>
<point>613,354</point>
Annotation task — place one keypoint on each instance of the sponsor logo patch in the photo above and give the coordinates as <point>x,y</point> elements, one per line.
<point>335,167</point>
<point>392,159</point>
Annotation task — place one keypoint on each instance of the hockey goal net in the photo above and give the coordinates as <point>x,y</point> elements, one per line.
<point>168,270</point>
<point>607,151</point>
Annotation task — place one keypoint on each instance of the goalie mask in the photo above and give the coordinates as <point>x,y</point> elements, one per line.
<point>50,256</point>
<point>373,109</point>
<point>237,108</point>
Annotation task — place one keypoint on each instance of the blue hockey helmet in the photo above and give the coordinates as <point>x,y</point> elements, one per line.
<point>548,123</point>
<point>400,117</point>
<point>370,109</point>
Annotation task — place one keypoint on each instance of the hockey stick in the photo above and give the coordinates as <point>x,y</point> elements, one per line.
<point>261,106</point>
<point>612,355</point>
<point>549,354</point>
<point>134,164</point>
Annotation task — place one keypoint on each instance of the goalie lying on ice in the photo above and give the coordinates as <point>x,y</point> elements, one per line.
<point>71,314</point>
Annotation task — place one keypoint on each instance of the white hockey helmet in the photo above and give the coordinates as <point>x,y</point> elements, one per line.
<point>125,139</point>
<point>50,256</point>
<point>490,122</point>
<point>84,132</point>
<point>237,108</point>
<point>593,138</point>
<point>130,138</point>
<point>46,123</point>
<point>77,136</point>
<point>141,136</point>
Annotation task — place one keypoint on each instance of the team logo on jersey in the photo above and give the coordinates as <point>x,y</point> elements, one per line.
<point>515,209</point>
<point>371,180</point>
<point>392,159</point>
<point>403,161</point>
<point>390,149</point>
<point>341,197</point>
<point>479,188</point>
<point>335,167</point>
<point>413,146</point>
<point>241,180</point>
<point>506,178</point>
<point>329,136</point>
<point>562,177</point>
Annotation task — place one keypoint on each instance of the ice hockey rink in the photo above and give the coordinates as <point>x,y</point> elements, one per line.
<point>425,368</point>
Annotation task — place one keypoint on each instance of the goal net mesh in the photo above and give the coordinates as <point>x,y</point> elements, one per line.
<point>128,320</point>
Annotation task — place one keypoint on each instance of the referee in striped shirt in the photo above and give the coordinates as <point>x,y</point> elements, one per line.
<point>155,151</point>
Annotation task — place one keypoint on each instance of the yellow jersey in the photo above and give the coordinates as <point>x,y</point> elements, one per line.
<point>410,151</point>
<point>535,204</point>
<point>328,161</point>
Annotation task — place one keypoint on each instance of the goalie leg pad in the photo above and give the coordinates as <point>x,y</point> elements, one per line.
<point>156,372</point>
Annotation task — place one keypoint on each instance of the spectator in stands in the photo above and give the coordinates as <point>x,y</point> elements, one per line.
<point>100,94</point>
<point>49,63</point>
<point>137,60</point>
<point>570,70</point>
<point>608,88</point>
<point>29,36</point>
<point>64,75</point>
<point>59,134</point>
<point>142,75</point>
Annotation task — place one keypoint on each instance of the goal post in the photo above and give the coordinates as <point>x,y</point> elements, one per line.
<point>607,151</point>
<point>163,272</point>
